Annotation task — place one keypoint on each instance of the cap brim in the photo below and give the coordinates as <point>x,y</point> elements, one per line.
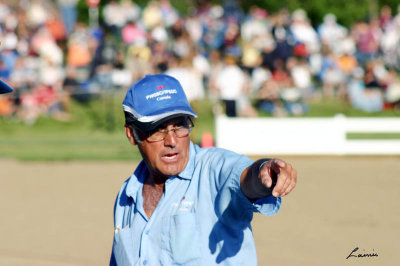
<point>150,126</point>
<point>4,87</point>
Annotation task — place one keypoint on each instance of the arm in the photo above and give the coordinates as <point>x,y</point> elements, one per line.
<point>268,177</point>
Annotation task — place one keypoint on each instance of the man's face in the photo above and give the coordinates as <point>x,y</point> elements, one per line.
<point>168,157</point>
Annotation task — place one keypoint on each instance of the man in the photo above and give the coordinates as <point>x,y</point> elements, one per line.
<point>186,205</point>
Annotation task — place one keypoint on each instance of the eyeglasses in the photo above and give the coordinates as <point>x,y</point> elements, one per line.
<point>180,132</point>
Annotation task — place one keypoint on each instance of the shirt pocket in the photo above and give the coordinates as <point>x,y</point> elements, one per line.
<point>184,239</point>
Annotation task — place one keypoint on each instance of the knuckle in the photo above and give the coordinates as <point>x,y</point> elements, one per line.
<point>283,176</point>
<point>289,189</point>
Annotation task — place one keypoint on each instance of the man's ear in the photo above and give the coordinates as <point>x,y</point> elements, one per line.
<point>129,135</point>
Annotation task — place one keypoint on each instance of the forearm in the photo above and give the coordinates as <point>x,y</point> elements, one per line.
<point>250,182</point>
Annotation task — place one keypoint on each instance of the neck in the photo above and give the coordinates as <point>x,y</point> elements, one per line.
<point>153,190</point>
<point>156,181</point>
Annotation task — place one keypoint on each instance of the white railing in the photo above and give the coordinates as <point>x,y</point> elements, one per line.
<point>306,136</point>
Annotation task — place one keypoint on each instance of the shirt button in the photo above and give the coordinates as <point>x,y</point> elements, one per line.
<point>144,262</point>
<point>147,232</point>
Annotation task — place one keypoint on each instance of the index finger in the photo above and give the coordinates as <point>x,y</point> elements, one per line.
<point>281,180</point>
<point>276,164</point>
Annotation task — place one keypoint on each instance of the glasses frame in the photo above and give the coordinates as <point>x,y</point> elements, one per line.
<point>189,126</point>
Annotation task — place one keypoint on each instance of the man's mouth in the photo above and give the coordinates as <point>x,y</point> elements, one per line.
<point>170,156</point>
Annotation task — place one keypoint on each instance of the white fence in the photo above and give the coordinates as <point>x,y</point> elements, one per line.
<point>306,136</point>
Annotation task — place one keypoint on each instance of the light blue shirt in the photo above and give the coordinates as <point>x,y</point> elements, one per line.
<point>203,218</point>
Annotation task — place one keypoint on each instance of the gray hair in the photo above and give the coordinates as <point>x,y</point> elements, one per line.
<point>136,135</point>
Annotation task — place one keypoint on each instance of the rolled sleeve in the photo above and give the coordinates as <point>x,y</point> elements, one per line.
<point>268,206</point>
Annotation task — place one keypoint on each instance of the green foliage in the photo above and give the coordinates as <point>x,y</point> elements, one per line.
<point>347,11</point>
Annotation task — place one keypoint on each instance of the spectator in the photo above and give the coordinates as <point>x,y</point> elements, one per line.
<point>366,36</point>
<point>114,17</point>
<point>152,15</point>
<point>131,33</point>
<point>361,97</point>
<point>392,93</point>
<point>131,11</point>
<point>303,32</point>
<point>190,80</point>
<point>69,14</point>
<point>138,59</point>
<point>385,17</point>
<point>168,12</point>
<point>283,38</point>
<point>36,13</point>
<point>42,100</point>
<point>389,43</point>
<point>347,62</point>
<point>194,28</point>
<point>231,83</point>
<point>213,29</point>
<point>79,54</point>
<point>259,75</point>
<point>56,27</point>
<point>216,66</point>
<point>256,25</point>
<point>330,32</point>
<point>269,100</point>
<point>332,76</point>
<point>302,77</point>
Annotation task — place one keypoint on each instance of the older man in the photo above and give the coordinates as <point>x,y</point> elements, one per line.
<point>186,205</point>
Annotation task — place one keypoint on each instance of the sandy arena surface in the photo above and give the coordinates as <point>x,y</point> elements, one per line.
<point>61,213</point>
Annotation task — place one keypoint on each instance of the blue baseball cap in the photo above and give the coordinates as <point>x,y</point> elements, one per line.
<point>4,87</point>
<point>154,99</point>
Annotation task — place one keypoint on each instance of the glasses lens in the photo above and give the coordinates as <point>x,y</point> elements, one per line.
<point>181,132</point>
<point>157,136</point>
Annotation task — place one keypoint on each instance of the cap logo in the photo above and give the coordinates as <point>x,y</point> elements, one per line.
<point>158,94</point>
<point>160,87</point>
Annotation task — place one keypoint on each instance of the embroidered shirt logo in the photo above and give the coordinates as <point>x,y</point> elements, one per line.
<point>184,205</point>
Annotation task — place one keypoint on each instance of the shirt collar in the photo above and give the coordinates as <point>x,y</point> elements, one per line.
<point>136,180</point>
<point>187,173</point>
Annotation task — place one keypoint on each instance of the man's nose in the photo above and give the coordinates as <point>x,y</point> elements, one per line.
<point>170,139</point>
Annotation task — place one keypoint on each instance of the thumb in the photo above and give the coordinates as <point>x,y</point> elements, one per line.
<point>266,178</point>
<point>268,181</point>
<point>273,172</point>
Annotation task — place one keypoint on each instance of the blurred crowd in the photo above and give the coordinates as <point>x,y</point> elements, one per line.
<point>249,61</point>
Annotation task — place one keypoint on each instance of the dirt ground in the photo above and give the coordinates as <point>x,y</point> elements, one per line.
<point>60,214</point>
